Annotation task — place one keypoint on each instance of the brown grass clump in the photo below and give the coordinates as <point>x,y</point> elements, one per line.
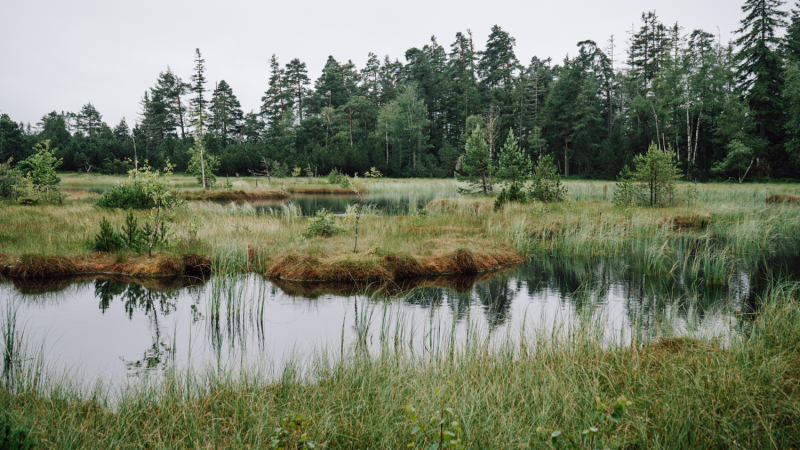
<point>441,205</point>
<point>38,266</point>
<point>33,266</point>
<point>465,261</point>
<point>403,265</point>
<point>783,198</point>
<point>235,195</point>
<point>689,222</point>
<point>196,265</point>
<point>393,267</point>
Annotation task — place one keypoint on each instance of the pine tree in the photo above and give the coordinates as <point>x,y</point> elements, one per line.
<point>198,87</point>
<point>88,120</point>
<point>513,165</point>
<point>498,61</point>
<point>297,85</point>
<point>172,88</point>
<point>370,78</point>
<point>476,163</point>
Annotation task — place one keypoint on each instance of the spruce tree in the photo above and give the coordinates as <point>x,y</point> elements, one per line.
<point>198,87</point>
<point>276,99</point>
<point>760,65</point>
<point>791,41</point>
<point>225,111</point>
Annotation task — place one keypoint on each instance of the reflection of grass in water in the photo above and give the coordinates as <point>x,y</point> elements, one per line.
<point>686,393</point>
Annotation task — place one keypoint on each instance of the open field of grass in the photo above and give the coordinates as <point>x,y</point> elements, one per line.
<point>742,392</point>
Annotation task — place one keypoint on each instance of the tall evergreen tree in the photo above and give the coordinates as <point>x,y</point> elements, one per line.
<point>171,88</point>
<point>498,61</point>
<point>276,99</point>
<point>88,120</point>
<point>760,65</point>
<point>791,41</point>
<point>198,87</point>
<point>297,85</point>
<point>225,112</point>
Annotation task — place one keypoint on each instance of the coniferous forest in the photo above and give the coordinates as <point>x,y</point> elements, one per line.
<point>728,110</point>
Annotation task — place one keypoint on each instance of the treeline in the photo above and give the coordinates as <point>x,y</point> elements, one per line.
<point>727,110</point>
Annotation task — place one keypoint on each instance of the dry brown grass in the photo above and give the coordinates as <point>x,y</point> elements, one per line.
<point>784,198</point>
<point>33,266</point>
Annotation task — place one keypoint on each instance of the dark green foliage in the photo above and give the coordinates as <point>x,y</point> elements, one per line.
<point>128,195</point>
<point>546,186</point>
<point>655,175</point>
<point>132,235</point>
<point>623,191</point>
<point>411,118</point>
<point>14,437</point>
<point>335,177</point>
<point>477,164</point>
<point>107,240</point>
<point>9,179</point>
<point>323,224</point>
<point>514,166</point>
<point>513,193</point>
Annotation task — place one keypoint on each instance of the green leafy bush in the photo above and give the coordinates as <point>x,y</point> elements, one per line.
<point>323,224</point>
<point>335,177</point>
<point>601,432</point>
<point>292,434</point>
<point>128,195</point>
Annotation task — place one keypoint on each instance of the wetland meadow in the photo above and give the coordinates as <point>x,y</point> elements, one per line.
<point>452,323</point>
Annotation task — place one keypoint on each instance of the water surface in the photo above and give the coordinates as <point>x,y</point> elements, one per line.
<point>120,328</point>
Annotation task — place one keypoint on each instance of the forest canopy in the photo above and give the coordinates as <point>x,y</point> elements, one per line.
<point>719,106</point>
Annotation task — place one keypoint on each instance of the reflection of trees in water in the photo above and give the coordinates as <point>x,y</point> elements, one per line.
<point>153,303</point>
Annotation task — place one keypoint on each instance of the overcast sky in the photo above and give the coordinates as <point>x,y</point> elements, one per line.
<point>60,54</point>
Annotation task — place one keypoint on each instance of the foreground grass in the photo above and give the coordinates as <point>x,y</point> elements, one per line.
<point>685,393</point>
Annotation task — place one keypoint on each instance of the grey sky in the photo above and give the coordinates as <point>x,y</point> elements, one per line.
<point>61,54</point>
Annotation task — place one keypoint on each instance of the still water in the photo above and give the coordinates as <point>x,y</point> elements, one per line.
<point>390,205</point>
<point>114,329</point>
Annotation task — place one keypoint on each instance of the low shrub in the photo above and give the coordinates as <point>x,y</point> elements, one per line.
<point>128,195</point>
<point>107,240</point>
<point>514,193</point>
<point>323,224</point>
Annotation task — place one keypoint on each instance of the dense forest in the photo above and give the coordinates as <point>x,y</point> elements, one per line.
<point>726,109</point>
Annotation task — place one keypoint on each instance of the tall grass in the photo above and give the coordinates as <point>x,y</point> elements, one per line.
<point>685,392</point>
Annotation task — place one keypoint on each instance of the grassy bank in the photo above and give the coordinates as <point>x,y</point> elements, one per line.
<point>726,226</point>
<point>684,393</point>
